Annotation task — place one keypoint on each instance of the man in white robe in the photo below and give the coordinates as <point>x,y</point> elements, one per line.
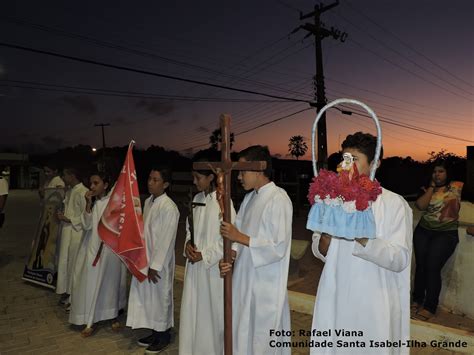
<point>71,232</point>
<point>151,301</point>
<point>263,231</point>
<point>365,284</point>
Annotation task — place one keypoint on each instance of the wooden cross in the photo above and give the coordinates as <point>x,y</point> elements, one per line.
<point>224,169</point>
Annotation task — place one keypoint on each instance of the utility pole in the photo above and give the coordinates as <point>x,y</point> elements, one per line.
<point>102,125</point>
<point>319,31</point>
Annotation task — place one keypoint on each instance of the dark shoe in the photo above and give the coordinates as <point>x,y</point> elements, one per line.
<point>146,341</point>
<point>157,347</point>
<point>64,299</point>
<point>424,315</point>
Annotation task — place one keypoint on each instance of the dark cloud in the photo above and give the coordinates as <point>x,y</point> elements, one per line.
<point>82,104</point>
<point>202,129</point>
<point>120,120</point>
<point>172,122</point>
<point>157,108</point>
<point>52,142</point>
<point>46,144</point>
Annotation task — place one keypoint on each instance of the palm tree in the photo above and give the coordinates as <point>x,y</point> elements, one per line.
<point>297,146</point>
<point>215,139</point>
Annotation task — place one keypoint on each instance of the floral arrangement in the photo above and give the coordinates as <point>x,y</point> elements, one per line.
<point>349,189</point>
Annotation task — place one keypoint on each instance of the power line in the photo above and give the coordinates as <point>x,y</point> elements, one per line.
<point>383,44</point>
<point>101,20</point>
<point>390,97</point>
<point>407,126</point>
<point>238,124</point>
<point>385,134</point>
<point>110,45</point>
<point>250,112</point>
<point>406,44</point>
<point>273,121</point>
<point>256,127</point>
<point>118,93</point>
<point>146,72</point>
<point>408,70</point>
<point>288,6</point>
<point>431,117</point>
<point>416,137</point>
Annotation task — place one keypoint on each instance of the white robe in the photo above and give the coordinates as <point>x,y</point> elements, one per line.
<point>260,296</point>
<point>55,182</point>
<point>367,288</point>
<point>71,235</point>
<point>151,305</point>
<point>201,325</point>
<point>98,292</point>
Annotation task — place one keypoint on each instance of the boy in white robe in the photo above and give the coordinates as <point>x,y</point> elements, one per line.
<point>365,284</point>
<point>99,291</point>
<point>151,301</point>
<point>71,232</point>
<point>51,179</point>
<point>3,199</point>
<point>201,325</point>
<point>263,231</point>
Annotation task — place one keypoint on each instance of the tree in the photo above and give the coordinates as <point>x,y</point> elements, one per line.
<point>443,155</point>
<point>215,138</point>
<point>297,146</point>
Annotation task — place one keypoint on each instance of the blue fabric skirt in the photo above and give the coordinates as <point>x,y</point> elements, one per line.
<point>333,220</point>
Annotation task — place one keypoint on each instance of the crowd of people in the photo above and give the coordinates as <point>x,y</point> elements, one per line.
<point>364,286</point>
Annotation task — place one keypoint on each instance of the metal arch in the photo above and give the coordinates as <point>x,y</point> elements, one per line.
<point>374,165</point>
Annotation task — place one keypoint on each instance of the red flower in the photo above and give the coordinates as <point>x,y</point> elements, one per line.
<point>358,188</point>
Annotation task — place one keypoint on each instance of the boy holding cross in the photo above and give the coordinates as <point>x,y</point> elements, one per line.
<point>263,233</point>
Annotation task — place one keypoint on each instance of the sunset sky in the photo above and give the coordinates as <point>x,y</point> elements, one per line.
<point>411,61</point>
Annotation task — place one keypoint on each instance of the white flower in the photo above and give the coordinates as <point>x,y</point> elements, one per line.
<point>349,207</point>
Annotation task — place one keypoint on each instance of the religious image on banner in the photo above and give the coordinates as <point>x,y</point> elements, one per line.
<point>41,265</point>
<point>121,225</point>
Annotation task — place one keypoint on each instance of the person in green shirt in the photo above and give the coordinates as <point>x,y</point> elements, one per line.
<point>435,238</point>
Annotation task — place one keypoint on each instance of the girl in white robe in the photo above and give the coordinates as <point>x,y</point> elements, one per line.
<point>99,292</point>
<point>201,329</point>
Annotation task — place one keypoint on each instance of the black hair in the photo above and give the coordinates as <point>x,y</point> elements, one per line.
<point>74,171</point>
<point>258,153</point>
<point>210,157</point>
<point>52,165</point>
<point>105,177</point>
<point>364,142</point>
<point>164,171</point>
<point>446,166</point>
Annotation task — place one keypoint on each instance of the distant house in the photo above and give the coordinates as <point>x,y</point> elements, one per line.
<point>15,168</point>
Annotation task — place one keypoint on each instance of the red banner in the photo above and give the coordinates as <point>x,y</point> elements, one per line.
<point>121,225</point>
